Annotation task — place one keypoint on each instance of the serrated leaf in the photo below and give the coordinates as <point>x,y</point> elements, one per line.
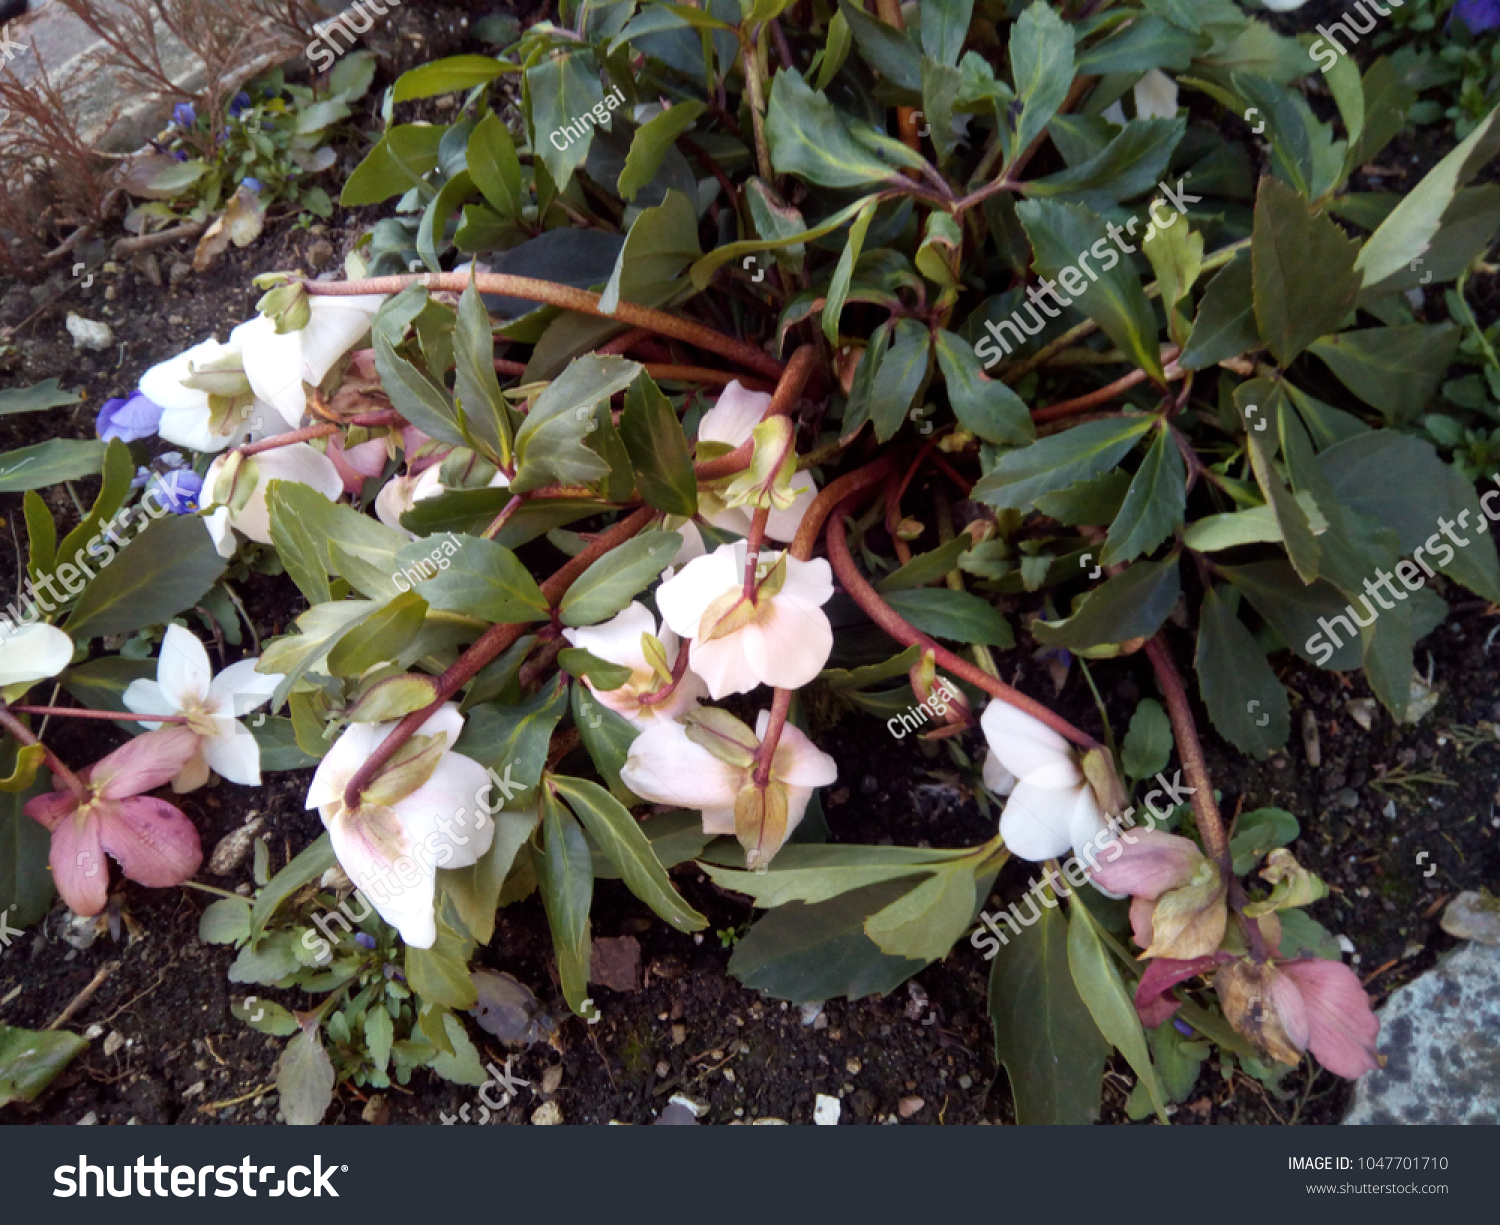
<point>1126,606</point>
<point>305,1079</point>
<point>1057,461</point>
<point>1305,282</point>
<point>482,579</point>
<point>1154,507</point>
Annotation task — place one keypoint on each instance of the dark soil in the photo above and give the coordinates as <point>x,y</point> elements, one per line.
<point>1378,799</point>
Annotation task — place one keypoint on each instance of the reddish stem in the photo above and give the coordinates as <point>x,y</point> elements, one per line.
<point>582,301</point>
<point>25,736</point>
<point>781,705</point>
<point>902,631</point>
<point>1185,731</point>
<point>310,432</point>
<point>73,712</point>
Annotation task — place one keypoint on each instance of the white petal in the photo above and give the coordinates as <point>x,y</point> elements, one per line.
<point>146,698</point>
<point>1155,96</point>
<point>996,777</point>
<point>394,500</point>
<point>162,384</point>
<point>183,671</point>
<point>788,649</point>
<point>684,598</point>
<point>33,653</point>
<point>1027,747</point>
<point>692,542</point>
<point>1037,821</point>
<point>443,816</point>
<point>724,665</point>
<point>808,582</point>
<point>333,326</point>
<point>368,847</point>
<point>734,417</point>
<point>618,640</point>
<point>798,762</point>
<point>340,763</point>
<point>1087,822</point>
<point>234,756</point>
<point>782,525</point>
<point>301,463</point>
<point>240,688</point>
<point>189,427</point>
<point>665,767</point>
<point>220,531</point>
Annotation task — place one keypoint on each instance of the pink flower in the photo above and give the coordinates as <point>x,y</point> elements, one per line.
<point>153,842</point>
<point>1329,1014</point>
<point>358,463</point>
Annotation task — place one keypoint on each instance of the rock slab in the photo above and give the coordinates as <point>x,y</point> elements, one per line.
<point>1439,1036</point>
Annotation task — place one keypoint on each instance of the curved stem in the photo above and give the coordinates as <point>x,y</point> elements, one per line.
<point>836,492</point>
<point>72,712</point>
<point>580,300</point>
<point>322,430</point>
<point>903,632</point>
<point>503,517</point>
<point>781,705</point>
<point>24,735</point>
<point>487,647</point>
<point>1185,731</point>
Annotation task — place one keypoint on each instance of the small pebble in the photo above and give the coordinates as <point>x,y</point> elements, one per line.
<point>548,1114</point>
<point>965,1082</point>
<point>1347,797</point>
<point>826,1110</point>
<point>89,333</point>
<point>679,1035</point>
<point>113,1043</point>
<point>853,1066</point>
<point>810,1012</point>
<point>909,1106</point>
<point>663,1070</point>
<point>551,1079</point>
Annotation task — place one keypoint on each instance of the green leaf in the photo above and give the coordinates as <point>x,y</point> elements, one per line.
<point>413,396</point>
<point>1396,370</point>
<point>1059,460</point>
<point>1099,985</point>
<point>1291,516</point>
<point>561,88</point>
<point>1148,743</point>
<point>26,889</point>
<point>1131,163</point>
<point>1244,699</point>
<point>658,449</point>
<point>784,238</point>
<point>354,545</point>
<point>1154,506</point>
<point>928,567</point>
<point>926,922</point>
<point>898,378</point>
<point>1060,235</point>
<point>476,390</point>
<point>447,76</point>
<point>1225,324</point>
<point>549,446</point>
<point>1129,605</point>
<point>475,890</point>
<point>1407,233</point>
<point>226,921</point>
<point>50,463</point>
<point>619,836</point>
<point>945,25</point>
<point>311,862</point>
<point>816,872</point>
<point>1305,282</point>
<point>395,165</point>
<point>298,544</point>
<point>495,168</point>
<point>575,661</point>
<point>838,287</point>
<point>166,569</point>
<point>566,879</point>
<point>1052,1051</point>
<point>440,975</point>
<point>809,138</point>
<point>82,544</point>
<point>1259,832</point>
<point>806,953</point>
<point>481,578</point>
<point>31,1059</point>
<point>1293,608</point>
<point>1213,533</point>
<point>955,615</point>
<point>101,683</point>
<point>986,407</point>
<point>379,637</point>
<point>1041,64</point>
<point>39,396</point>
<point>269,1016</point>
<point>615,579</point>
<point>292,656</point>
<point>305,1079</point>
<point>651,142</point>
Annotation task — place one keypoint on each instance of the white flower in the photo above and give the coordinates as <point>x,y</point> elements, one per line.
<point>247,511</point>
<point>401,493</point>
<point>220,532</point>
<point>1285,6</point>
<point>1052,807</point>
<point>185,410</point>
<point>732,420</point>
<point>666,766</point>
<point>32,653</point>
<point>779,637</point>
<point>1156,96</point>
<point>619,641</point>
<point>186,685</point>
<point>278,364</point>
<point>392,851</point>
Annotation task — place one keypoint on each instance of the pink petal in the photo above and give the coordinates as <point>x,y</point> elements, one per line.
<point>144,764</point>
<point>1141,931</point>
<point>154,842</point>
<point>51,807</point>
<point>78,866</point>
<point>1290,1008</point>
<point>1147,864</point>
<point>1342,1028</point>
<point>1152,999</point>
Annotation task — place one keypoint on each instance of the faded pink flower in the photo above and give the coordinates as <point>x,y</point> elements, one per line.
<point>1330,1015</point>
<point>153,842</point>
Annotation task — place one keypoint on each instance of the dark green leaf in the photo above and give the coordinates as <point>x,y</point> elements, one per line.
<point>1058,461</point>
<point>413,396</point>
<point>1259,832</point>
<point>1129,605</point>
<point>39,396</point>
<point>955,615</point>
<point>26,889</point>
<point>1041,63</point>
<point>809,138</point>
<point>1148,743</point>
<point>1225,326</point>
<point>31,1059</point>
<point>311,862</point>
<point>615,579</point>
<point>1396,370</point>
<point>166,569</point>
<point>395,165</point>
<point>1244,699</point>
<point>447,76</point>
<point>561,89</point>
<point>476,390</point>
<point>658,449</point>
<point>50,463</point>
<point>898,378</point>
<point>566,879</point>
<point>482,579</point>
<point>986,407</point>
<point>945,25</point>
<point>1154,506</point>
<point>1305,282</point>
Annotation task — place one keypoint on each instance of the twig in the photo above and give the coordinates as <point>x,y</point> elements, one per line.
<point>84,996</point>
<point>126,247</point>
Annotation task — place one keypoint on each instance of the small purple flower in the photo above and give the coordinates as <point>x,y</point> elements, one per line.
<point>1477,15</point>
<point>364,939</point>
<point>178,490</point>
<point>238,104</point>
<point>183,115</point>
<point>129,419</point>
<point>1182,1027</point>
<point>179,155</point>
<point>251,185</point>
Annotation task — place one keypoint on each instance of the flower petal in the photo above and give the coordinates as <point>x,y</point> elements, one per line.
<point>78,866</point>
<point>300,463</point>
<point>788,647</point>
<point>234,755</point>
<point>1147,864</point>
<point>183,670</point>
<point>239,689</point>
<point>724,666</point>
<point>685,597</point>
<point>444,818</point>
<point>1037,821</point>
<point>665,767</point>
<point>618,640</point>
<point>798,763</point>
<point>154,842</point>
<point>1342,1029</point>
<point>33,653</point>
<point>1027,747</point>
<point>996,777</point>
<point>375,851</point>
<point>145,763</point>
<point>734,416</point>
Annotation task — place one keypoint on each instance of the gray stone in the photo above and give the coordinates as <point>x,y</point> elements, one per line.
<point>1438,1037</point>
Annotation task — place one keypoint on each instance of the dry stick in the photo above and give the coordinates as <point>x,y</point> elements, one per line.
<point>489,645</point>
<point>1185,731</point>
<point>580,300</point>
<point>84,996</point>
<point>903,632</point>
